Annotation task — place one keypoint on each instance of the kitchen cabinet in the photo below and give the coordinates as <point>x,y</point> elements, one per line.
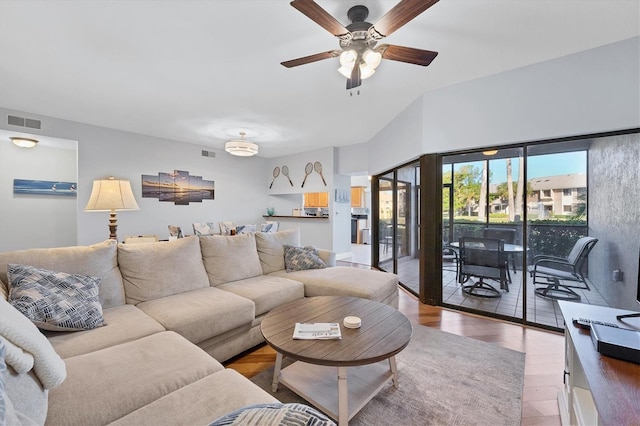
<point>357,193</point>
<point>316,199</point>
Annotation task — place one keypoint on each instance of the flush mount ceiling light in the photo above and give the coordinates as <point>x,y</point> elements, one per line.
<point>24,142</point>
<point>241,147</point>
<point>490,152</point>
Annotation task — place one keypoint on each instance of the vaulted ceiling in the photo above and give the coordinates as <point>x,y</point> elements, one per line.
<point>202,71</point>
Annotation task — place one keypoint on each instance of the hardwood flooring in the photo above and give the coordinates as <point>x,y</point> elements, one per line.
<point>544,362</point>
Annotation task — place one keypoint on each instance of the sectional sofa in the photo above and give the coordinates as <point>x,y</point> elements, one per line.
<point>172,312</point>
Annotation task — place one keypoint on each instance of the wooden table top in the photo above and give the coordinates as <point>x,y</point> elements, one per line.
<point>384,331</point>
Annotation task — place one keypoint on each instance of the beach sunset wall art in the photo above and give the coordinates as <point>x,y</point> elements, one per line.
<point>178,187</point>
<point>44,187</point>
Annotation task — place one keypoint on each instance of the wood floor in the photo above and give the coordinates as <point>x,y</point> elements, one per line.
<point>544,362</point>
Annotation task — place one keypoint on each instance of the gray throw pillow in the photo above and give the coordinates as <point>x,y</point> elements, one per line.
<point>55,301</point>
<point>301,258</point>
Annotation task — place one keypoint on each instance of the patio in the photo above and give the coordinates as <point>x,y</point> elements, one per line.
<point>539,310</point>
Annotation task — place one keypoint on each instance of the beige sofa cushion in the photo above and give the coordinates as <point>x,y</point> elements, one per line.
<point>271,250</point>
<point>347,281</point>
<point>155,270</point>
<point>201,402</point>
<point>105,385</point>
<point>98,260</point>
<point>266,291</point>
<point>201,314</point>
<point>230,258</point>
<point>124,324</point>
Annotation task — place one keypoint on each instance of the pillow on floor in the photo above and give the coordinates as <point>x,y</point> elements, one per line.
<point>276,414</point>
<point>301,258</point>
<point>55,301</point>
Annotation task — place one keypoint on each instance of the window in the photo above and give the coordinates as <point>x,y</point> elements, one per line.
<point>546,193</point>
<point>566,191</point>
<point>566,209</point>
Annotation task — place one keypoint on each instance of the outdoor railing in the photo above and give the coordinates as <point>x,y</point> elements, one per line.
<point>549,237</point>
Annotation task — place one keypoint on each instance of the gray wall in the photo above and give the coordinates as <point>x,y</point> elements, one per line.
<point>614,217</point>
<point>28,221</point>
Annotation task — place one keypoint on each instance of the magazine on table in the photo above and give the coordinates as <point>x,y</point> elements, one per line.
<point>317,331</point>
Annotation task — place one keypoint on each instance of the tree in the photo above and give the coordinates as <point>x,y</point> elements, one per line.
<point>482,208</point>
<point>466,188</point>
<point>520,189</point>
<point>510,191</point>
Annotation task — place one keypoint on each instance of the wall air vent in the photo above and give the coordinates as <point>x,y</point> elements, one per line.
<point>14,120</point>
<point>208,154</point>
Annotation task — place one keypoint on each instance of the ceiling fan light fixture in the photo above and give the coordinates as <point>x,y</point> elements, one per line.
<point>348,58</point>
<point>345,71</point>
<point>366,71</point>
<point>241,147</point>
<point>372,58</point>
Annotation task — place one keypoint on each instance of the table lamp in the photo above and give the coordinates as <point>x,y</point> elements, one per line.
<point>111,195</point>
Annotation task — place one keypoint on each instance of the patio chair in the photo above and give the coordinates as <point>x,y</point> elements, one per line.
<point>483,258</point>
<point>508,235</point>
<point>450,259</point>
<point>549,270</point>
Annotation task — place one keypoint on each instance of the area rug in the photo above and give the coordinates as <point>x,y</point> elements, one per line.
<point>445,379</point>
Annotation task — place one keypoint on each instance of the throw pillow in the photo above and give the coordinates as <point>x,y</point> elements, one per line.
<point>276,414</point>
<point>55,301</point>
<point>270,248</point>
<point>301,258</point>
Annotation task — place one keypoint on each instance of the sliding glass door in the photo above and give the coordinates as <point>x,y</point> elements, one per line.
<point>398,224</point>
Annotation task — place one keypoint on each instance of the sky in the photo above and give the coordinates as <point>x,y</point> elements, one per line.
<point>539,165</point>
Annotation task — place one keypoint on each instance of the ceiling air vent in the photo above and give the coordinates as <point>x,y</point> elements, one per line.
<point>14,120</point>
<point>208,154</point>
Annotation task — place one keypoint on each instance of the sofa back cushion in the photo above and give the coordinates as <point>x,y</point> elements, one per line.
<point>98,260</point>
<point>271,248</point>
<point>155,270</point>
<point>230,258</point>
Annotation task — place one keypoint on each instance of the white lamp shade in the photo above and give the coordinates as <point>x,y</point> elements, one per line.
<point>366,71</point>
<point>111,194</point>
<point>241,148</point>
<point>372,58</point>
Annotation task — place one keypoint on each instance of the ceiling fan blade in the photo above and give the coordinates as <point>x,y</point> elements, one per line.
<point>355,79</point>
<point>407,54</point>
<point>399,15</point>
<point>311,58</point>
<point>320,16</point>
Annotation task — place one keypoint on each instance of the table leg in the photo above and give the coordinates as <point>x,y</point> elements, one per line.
<point>343,406</point>
<point>394,371</point>
<point>276,372</point>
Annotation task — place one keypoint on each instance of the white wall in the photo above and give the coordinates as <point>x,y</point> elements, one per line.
<point>597,90</point>
<point>28,221</point>
<point>400,141</point>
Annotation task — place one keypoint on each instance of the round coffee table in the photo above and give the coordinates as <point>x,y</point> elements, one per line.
<point>362,352</point>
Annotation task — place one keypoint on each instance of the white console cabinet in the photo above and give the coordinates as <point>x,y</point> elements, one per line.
<point>598,390</point>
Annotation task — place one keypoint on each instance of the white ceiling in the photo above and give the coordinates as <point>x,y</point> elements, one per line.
<point>202,71</point>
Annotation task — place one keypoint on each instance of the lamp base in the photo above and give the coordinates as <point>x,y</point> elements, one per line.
<point>113,226</point>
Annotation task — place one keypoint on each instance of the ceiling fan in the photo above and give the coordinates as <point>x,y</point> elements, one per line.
<point>359,56</point>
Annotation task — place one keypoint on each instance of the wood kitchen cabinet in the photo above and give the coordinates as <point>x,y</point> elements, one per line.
<point>356,196</point>
<point>316,199</point>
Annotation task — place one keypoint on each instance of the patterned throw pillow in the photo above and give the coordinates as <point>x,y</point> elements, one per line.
<point>301,258</point>
<point>55,300</point>
<point>276,414</point>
